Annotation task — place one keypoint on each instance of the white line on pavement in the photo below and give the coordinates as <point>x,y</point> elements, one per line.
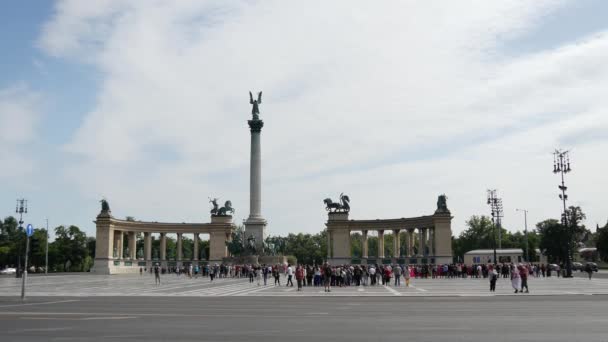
<point>393,291</point>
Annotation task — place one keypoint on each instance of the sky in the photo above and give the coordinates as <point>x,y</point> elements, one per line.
<point>145,103</point>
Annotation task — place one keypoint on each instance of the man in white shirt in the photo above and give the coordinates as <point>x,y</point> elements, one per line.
<point>372,275</point>
<point>289,275</point>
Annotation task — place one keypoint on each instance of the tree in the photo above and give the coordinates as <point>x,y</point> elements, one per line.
<point>71,245</point>
<point>478,235</point>
<point>602,242</point>
<point>553,236</point>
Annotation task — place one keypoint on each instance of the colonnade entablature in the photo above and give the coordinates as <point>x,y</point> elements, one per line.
<point>428,238</point>
<point>110,257</point>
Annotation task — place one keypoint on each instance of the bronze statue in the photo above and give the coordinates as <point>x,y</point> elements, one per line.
<point>442,204</point>
<point>105,206</point>
<point>343,206</point>
<point>227,208</point>
<point>255,110</point>
<point>215,206</point>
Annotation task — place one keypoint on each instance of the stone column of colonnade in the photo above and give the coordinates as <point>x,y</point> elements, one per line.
<point>179,249</point>
<point>121,243</point>
<point>195,248</point>
<point>148,249</point>
<point>380,244</point>
<point>410,244</point>
<point>163,248</point>
<point>431,241</point>
<point>396,243</point>
<point>132,245</point>
<point>421,232</point>
<point>365,248</point>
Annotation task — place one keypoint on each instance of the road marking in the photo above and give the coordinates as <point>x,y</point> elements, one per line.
<point>421,289</point>
<point>393,291</point>
<point>41,303</point>
<point>113,317</point>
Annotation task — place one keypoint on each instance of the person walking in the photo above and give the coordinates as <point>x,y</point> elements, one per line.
<point>289,275</point>
<point>277,276</point>
<point>493,278</point>
<point>397,273</point>
<point>515,279</point>
<point>589,270</point>
<point>299,276</point>
<point>372,275</point>
<point>523,274</point>
<point>156,275</point>
<point>407,275</point>
<point>265,274</point>
<point>327,277</point>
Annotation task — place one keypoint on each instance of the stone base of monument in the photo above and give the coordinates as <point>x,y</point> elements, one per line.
<point>260,260</point>
<point>117,266</point>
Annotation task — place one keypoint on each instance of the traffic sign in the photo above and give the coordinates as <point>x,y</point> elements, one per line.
<point>29,230</point>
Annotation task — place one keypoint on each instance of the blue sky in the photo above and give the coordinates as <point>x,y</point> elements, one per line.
<point>145,103</point>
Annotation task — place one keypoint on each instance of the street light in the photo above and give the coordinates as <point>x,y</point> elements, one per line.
<point>495,204</point>
<point>525,232</point>
<point>561,165</point>
<point>20,209</point>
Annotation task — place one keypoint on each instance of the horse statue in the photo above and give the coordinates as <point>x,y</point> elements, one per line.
<point>227,208</point>
<point>442,204</point>
<point>105,206</point>
<point>215,206</point>
<point>342,206</point>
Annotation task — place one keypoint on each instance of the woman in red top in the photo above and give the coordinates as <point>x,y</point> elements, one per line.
<point>299,277</point>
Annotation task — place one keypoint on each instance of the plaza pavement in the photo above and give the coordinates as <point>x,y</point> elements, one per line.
<point>88,285</point>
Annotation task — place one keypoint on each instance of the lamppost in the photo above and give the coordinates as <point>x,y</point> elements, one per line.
<point>495,204</point>
<point>46,250</point>
<point>20,209</point>
<point>561,165</point>
<point>525,232</point>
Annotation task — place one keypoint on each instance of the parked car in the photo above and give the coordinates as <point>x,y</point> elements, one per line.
<point>8,270</point>
<point>577,266</point>
<point>593,266</point>
<point>553,267</point>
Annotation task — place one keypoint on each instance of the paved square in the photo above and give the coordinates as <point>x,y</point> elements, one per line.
<point>172,285</point>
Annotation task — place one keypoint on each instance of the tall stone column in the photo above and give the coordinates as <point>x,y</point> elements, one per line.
<point>195,248</point>
<point>381,244</point>
<point>421,241</point>
<point>364,248</point>
<point>396,243</point>
<point>132,246</point>
<point>121,243</point>
<point>163,246</point>
<point>410,234</point>
<point>179,249</point>
<point>147,247</point>
<point>432,241</point>
<point>255,224</point>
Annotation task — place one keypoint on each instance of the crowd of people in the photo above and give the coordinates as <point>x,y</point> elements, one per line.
<point>329,276</point>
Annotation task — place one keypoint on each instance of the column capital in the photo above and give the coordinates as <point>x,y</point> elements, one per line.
<point>255,125</point>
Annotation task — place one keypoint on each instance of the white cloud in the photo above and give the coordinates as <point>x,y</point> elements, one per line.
<point>19,119</point>
<point>354,95</point>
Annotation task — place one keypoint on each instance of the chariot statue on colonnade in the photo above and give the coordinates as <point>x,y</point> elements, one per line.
<point>223,211</point>
<point>343,206</point>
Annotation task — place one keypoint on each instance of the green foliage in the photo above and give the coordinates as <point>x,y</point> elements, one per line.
<point>71,246</point>
<point>236,245</point>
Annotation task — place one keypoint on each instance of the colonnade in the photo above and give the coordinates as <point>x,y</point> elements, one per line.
<point>424,246</point>
<point>131,253</point>
<point>110,257</point>
<point>428,238</point>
